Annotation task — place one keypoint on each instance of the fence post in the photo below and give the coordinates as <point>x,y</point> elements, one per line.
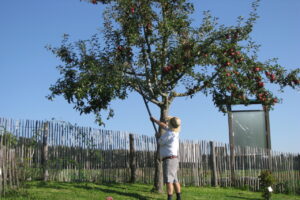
<point>232,148</point>
<point>45,152</point>
<point>268,137</point>
<point>1,168</point>
<point>214,180</point>
<point>132,159</point>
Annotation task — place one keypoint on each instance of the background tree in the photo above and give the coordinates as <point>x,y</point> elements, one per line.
<point>150,47</point>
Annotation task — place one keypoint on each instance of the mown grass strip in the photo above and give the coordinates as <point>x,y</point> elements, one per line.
<point>37,190</point>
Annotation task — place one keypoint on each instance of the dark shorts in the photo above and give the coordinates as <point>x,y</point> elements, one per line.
<point>170,168</point>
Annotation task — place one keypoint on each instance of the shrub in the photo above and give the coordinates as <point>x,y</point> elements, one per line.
<point>266,180</point>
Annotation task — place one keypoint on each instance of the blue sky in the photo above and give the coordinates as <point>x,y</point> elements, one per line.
<point>27,69</point>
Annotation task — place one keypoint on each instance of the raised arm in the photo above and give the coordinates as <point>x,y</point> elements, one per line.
<point>159,123</point>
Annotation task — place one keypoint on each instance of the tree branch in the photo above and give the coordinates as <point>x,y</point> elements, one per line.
<point>137,89</point>
<point>137,74</point>
<point>194,90</point>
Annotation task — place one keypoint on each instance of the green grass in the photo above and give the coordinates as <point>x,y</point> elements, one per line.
<point>88,191</point>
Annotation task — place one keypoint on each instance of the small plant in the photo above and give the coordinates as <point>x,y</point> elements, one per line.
<point>8,139</point>
<point>266,180</point>
<point>287,187</point>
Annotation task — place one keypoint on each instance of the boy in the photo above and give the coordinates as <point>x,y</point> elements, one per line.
<point>169,145</point>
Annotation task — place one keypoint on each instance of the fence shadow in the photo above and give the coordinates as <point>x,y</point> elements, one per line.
<point>112,191</point>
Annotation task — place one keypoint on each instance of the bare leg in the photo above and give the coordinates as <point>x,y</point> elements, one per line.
<point>170,188</point>
<point>177,187</point>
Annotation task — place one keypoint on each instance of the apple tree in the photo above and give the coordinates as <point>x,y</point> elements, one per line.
<point>150,47</point>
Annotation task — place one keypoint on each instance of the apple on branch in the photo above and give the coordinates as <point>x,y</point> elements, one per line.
<point>236,73</point>
<point>120,48</point>
<point>296,81</point>
<point>233,86</point>
<point>272,77</point>
<point>261,84</point>
<point>258,78</point>
<point>267,73</point>
<point>256,69</point>
<point>149,26</point>
<point>167,68</point>
<point>132,10</point>
<point>227,63</point>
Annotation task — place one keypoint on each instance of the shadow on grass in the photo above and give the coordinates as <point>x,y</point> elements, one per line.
<point>52,185</point>
<point>116,191</point>
<point>246,198</point>
<point>86,186</point>
<point>128,194</point>
<point>58,185</point>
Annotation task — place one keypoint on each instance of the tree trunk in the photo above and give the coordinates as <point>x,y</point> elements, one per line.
<point>158,176</point>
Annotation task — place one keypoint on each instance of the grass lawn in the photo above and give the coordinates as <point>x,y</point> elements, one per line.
<point>88,191</point>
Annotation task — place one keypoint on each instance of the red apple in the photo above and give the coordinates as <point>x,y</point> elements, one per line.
<point>261,84</point>
<point>238,53</point>
<point>94,1</point>
<point>167,68</point>
<point>149,26</point>
<point>120,48</point>
<point>267,73</point>
<point>256,69</point>
<point>228,74</point>
<point>275,100</point>
<point>132,10</point>
<point>296,82</point>
<point>233,86</point>
<point>272,77</point>
<point>227,63</point>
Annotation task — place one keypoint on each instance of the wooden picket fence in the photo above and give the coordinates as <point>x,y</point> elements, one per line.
<point>59,151</point>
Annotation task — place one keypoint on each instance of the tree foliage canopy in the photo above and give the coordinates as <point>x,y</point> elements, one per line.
<point>151,47</point>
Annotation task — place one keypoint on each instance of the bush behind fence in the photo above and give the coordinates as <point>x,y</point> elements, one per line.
<point>31,150</point>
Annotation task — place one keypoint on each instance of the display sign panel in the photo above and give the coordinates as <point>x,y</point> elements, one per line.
<point>249,128</point>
